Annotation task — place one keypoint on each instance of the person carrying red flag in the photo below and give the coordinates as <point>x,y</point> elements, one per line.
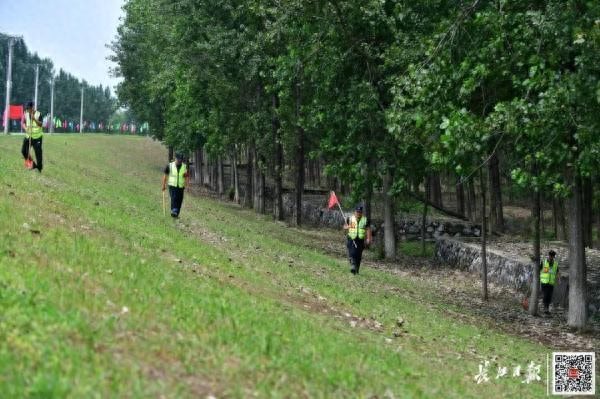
<point>32,125</point>
<point>358,234</point>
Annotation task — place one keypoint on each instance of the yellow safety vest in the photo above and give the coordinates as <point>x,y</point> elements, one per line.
<point>177,179</point>
<point>548,273</point>
<point>357,229</point>
<point>32,129</point>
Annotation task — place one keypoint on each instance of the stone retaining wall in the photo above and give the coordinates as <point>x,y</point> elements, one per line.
<point>515,271</point>
<point>508,271</point>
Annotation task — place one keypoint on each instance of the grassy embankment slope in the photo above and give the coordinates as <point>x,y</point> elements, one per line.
<point>102,296</point>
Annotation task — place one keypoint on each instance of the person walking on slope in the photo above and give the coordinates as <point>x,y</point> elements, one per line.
<point>176,176</point>
<point>32,125</point>
<point>548,278</point>
<point>358,233</point>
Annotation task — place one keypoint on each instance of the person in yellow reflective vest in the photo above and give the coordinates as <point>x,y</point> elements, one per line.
<point>32,125</point>
<point>358,234</point>
<point>176,176</point>
<point>548,278</point>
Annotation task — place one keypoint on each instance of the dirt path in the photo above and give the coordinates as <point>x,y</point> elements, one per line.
<point>457,293</point>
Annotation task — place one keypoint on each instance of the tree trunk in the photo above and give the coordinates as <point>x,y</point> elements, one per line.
<point>562,221</point>
<point>496,195</point>
<point>259,185</point>
<point>472,209</point>
<point>564,230</point>
<point>416,187</point>
<point>211,170</point>
<point>214,174</point>
<point>424,219</point>
<point>207,171</point>
<point>236,182</point>
<point>483,238</point>
<point>577,316</point>
<point>193,172</point>
<point>247,203</point>
<point>262,206</point>
<point>460,196</point>
<point>389,233</point>
<point>436,189</point>
<point>509,188</point>
<point>588,203</point>
<point>369,204</point>
<point>311,173</point>
<point>597,230</point>
<point>220,177</point>
<point>299,178</point>
<point>319,173</point>
<point>171,155</point>
<point>278,169</point>
<point>542,217</point>
<point>535,280</point>
<point>300,158</point>
<point>198,167</point>
<point>428,189</point>
<point>255,180</point>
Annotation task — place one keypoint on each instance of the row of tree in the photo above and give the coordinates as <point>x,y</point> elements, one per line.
<point>387,93</point>
<point>99,103</point>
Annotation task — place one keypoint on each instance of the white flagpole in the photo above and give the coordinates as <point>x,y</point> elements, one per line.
<point>11,42</point>
<point>35,90</point>
<point>343,215</point>
<point>342,212</point>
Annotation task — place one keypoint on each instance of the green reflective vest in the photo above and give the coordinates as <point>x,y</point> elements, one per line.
<point>32,129</point>
<point>177,179</point>
<point>357,229</point>
<point>548,273</point>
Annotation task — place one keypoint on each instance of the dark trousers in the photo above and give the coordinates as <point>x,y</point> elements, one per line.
<point>176,194</point>
<point>37,147</point>
<point>547,290</point>
<point>355,250</point>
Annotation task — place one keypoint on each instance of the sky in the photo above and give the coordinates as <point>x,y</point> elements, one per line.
<point>72,33</point>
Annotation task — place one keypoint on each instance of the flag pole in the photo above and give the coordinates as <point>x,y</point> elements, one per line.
<point>344,218</point>
<point>341,211</point>
<point>343,215</point>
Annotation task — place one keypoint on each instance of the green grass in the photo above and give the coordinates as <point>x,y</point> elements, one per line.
<point>415,248</point>
<point>111,299</point>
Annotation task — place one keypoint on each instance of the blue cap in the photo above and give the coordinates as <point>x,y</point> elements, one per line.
<point>358,208</point>
<point>179,156</point>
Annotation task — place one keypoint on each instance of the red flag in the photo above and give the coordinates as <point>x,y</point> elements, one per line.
<point>15,112</point>
<point>333,201</point>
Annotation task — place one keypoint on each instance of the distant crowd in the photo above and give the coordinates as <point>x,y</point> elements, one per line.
<point>66,126</point>
<point>16,115</point>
